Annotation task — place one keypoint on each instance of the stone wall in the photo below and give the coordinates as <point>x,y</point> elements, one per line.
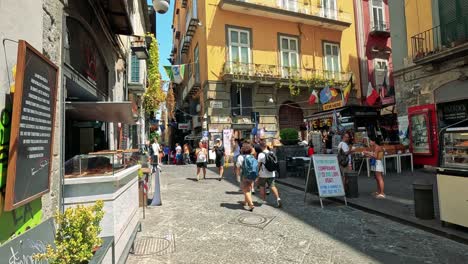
<point>52,13</point>
<point>415,85</point>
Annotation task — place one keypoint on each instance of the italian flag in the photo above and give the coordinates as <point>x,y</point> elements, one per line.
<point>372,95</point>
<point>313,97</point>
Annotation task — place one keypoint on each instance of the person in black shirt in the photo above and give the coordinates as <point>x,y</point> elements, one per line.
<point>219,151</point>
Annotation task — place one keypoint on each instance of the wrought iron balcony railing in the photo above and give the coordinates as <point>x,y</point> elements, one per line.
<point>440,39</point>
<point>237,71</point>
<point>282,7</point>
<point>378,27</point>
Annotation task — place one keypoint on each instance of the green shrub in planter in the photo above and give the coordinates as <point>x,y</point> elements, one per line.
<point>289,134</point>
<point>77,235</point>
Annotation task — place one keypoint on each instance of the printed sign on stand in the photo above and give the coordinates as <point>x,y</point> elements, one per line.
<point>328,176</point>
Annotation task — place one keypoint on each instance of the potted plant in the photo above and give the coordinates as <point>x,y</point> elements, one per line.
<point>77,238</point>
<point>289,136</point>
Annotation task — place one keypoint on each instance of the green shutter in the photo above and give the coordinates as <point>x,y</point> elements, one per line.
<point>135,69</point>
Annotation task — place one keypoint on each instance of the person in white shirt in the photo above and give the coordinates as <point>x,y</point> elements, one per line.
<point>346,151</point>
<point>265,176</point>
<point>202,156</point>
<point>155,155</point>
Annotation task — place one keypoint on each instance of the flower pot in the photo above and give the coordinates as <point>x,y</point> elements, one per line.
<point>289,142</point>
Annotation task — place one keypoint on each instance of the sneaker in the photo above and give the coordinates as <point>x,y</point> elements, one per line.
<point>279,203</point>
<point>268,191</point>
<point>380,196</point>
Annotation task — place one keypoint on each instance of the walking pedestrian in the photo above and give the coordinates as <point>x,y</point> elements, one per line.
<point>178,150</point>
<point>267,167</point>
<point>377,154</point>
<point>247,170</point>
<point>201,153</point>
<point>220,156</point>
<point>166,150</point>
<point>187,154</point>
<point>236,153</point>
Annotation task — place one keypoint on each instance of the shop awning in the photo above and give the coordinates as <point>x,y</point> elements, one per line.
<point>324,114</point>
<point>117,112</point>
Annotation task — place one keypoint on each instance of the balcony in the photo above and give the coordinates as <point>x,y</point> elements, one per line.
<point>186,44</point>
<point>191,19</point>
<point>441,43</point>
<point>380,28</point>
<point>273,74</point>
<point>193,83</point>
<point>293,11</point>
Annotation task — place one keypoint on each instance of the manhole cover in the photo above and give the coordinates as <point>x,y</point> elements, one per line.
<point>154,245</point>
<point>253,220</point>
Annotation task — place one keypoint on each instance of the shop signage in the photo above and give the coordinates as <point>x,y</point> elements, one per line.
<point>328,175</point>
<point>184,126</point>
<point>32,129</point>
<point>332,105</point>
<point>23,248</point>
<point>454,112</point>
<point>216,104</point>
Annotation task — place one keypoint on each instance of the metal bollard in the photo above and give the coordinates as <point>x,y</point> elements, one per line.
<point>423,199</point>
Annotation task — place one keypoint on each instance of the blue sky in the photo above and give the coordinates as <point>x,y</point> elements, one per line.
<point>164,36</point>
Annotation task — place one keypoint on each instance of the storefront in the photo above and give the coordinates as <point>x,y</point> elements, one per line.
<point>452,177</point>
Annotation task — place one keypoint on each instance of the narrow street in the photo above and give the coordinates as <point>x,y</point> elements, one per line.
<point>203,222</point>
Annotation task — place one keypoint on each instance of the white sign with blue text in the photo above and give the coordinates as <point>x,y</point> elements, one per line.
<point>328,175</point>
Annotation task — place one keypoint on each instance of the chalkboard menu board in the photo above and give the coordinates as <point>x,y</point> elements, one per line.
<point>32,127</point>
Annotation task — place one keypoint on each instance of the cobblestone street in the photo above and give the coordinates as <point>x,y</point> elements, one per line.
<point>203,222</point>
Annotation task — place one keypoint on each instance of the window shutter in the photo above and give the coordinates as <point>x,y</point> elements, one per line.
<point>235,110</point>
<point>246,95</point>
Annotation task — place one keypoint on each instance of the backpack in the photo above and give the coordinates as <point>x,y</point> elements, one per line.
<point>343,159</point>
<point>271,161</point>
<point>250,167</point>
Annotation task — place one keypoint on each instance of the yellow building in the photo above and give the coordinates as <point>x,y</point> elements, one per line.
<point>261,56</point>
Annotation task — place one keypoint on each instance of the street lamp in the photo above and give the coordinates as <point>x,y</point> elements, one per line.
<point>161,6</point>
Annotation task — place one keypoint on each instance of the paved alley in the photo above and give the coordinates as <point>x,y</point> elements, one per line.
<point>203,222</point>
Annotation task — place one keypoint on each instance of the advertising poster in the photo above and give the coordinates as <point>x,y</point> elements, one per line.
<point>403,124</point>
<point>227,137</point>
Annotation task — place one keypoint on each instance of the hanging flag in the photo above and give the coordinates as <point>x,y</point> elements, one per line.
<point>175,72</point>
<point>313,97</point>
<point>372,95</point>
<point>347,90</point>
<point>325,95</point>
<point>178,73</point>
<point>168,70</point>
<point>333,92</point>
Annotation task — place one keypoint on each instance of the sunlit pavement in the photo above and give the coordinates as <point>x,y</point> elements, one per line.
<point>203,222</point>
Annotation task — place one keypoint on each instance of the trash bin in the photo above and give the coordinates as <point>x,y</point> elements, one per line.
<point>423,199</point>
<point>351,188</point>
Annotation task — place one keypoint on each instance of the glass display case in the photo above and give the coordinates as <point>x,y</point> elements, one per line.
<point>105,163</point>
<point>455,148</point>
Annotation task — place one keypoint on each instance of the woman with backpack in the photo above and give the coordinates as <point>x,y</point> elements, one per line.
<point>202,155</point>
<point>247,169</point>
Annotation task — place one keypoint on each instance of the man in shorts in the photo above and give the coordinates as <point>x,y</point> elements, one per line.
<point>265,176</point>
